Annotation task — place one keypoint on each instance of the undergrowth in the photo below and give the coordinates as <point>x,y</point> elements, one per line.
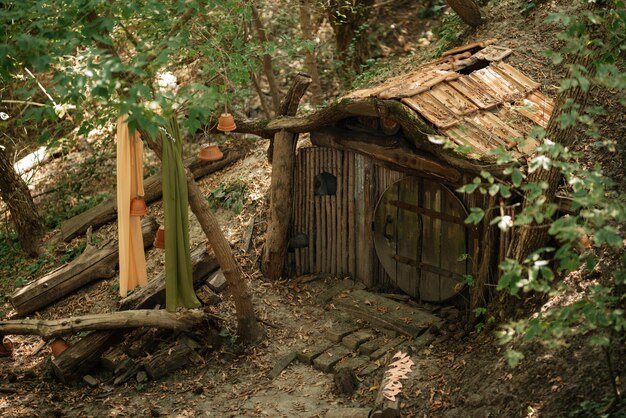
<point>231,196</point>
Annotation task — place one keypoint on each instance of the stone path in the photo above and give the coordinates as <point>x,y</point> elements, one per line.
<point>365,330</point>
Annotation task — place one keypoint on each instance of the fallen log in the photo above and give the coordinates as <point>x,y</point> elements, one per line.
<point>203,264</point>
<point>107,211</point>
<point>48,329</point>
<point>83,356</point>
<point>168,360</point>
<point>93,264</point>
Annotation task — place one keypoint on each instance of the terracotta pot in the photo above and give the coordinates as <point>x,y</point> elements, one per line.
<point>58,346</point>
<point>210,153</point>
<point>159,238</point>
<point>226,123</point>
<point>389,126</point>
<point>6,348</point>
<point>138,206</point>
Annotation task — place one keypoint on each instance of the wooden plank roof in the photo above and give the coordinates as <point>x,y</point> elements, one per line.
<point>472,97</point>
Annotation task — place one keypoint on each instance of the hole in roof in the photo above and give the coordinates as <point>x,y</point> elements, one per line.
<point>478,65</point>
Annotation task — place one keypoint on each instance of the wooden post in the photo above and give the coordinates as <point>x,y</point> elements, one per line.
<point>281,196</point>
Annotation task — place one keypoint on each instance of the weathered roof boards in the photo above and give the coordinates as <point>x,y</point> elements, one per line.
<point>474,99</point>
<point>380,205</point>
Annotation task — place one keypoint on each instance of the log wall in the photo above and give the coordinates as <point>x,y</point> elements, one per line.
<point>338,227</point>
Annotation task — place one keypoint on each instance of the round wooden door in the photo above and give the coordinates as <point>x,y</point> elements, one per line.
<point>419,235</point>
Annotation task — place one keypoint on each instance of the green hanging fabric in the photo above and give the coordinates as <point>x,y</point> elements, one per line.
<point>179,290</point>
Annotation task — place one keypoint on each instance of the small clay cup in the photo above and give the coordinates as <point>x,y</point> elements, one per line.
<point>226,123</point>
<point>138,206</point>
<point>159,238</point>
<point>210,153</point>
<point>6,348</point>
<point>58,346</point>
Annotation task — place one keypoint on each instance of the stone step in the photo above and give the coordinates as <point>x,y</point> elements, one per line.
<point>326,361</point>
<point>387,347</point>
<point>355,363</point>
<point>370,346</point>
<point>308,354</point>
<point>354,340</point>
<point>338,330</point>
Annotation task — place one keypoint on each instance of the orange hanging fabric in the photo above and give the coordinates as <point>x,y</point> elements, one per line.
<point>129,185</point>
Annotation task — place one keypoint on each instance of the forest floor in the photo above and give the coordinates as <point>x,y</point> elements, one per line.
<point>459,372</point>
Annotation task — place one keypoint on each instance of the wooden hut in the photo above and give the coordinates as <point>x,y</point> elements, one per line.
<point>375,197</point>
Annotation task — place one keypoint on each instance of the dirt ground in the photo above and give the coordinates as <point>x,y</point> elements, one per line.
<point>460,373</point>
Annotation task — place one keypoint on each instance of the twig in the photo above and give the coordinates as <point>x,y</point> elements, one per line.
<point>40,86</point>
<point>4,389</point>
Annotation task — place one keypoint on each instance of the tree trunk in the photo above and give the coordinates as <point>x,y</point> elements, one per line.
<point>248,328</point>
<point>347,19</point>
<point>468,11</point>
<point>309,56</point>
<point>268,68</point>
<point>16,196</point>
<point>529,238</point>
<point>281,186</point>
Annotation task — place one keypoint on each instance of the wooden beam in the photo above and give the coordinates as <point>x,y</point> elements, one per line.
<point>428,212</point>
<point>47,329</point>
<point>398,154</point>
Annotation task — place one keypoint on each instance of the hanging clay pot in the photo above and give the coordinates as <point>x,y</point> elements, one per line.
<point>58,346</point>
<point>226,123</point>
<point>138,206</point>
<point>389,126</point>
<point>159,238</point>
<point>210,153</point>
<point>6,348</point>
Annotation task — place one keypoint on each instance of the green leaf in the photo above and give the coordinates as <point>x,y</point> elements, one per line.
<point>476,215</point>
<point>516,177</point>
<point>608,235</point>
<point>513,358</point>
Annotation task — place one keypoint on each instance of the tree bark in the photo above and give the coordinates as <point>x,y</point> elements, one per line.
<point>93,264</point>
<point>247,326</point>
<point>281,192</point>
<point>308,30</point>
<point>468,11</point>
<point>529,238</point>
<point>48,329</point>
<point>15,194</point>
<point>83,356</point>
<point>347,19</point>
<point>268,68</point>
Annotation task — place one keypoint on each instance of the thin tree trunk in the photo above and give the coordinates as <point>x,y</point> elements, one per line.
<point>247,327</point>
<point>281,194</point>
<point>309,56</point>
<point>268,68</point>
<point>16,196</point>
<point>347,19</point>
<point>259,91</point>
<point>529,238</point>
<point>468,11</point>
